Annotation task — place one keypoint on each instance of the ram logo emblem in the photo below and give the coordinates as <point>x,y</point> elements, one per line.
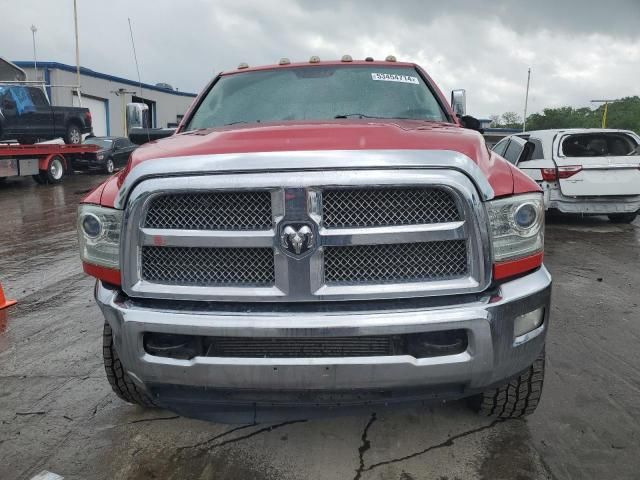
<point>296,239</point>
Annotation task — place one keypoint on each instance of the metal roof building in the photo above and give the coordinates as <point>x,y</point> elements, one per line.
<point>106,95</point>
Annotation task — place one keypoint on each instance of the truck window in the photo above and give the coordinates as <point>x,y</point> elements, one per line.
<point>38,98</point>
<point>318,93</point>
<point>601,144</point>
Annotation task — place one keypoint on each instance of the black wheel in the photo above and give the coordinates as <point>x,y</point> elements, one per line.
<point>517,398</point>
<point>74,135</point>
<point>109,166</point>
<point>622,217</point>
<point>120,382</point>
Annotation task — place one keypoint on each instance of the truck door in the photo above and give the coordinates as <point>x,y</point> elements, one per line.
<point>8,113</point>
<point>599,163</point>
<point>41,118</point>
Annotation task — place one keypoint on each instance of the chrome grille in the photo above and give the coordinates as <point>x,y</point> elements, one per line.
<point>393,263</point>
<point>211,211</point>
<point>377,207</point>
<point>208,266</point>
<point>376,234</point>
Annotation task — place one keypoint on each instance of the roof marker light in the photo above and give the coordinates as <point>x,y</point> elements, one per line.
<point>243,65</point>
<point>314,59</point>
<point>347,58</point>
<point>390,58</point>
<point>284,61</point>
<point>368,59</point>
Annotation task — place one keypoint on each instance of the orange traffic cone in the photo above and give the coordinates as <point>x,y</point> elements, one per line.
<point>4,303</point>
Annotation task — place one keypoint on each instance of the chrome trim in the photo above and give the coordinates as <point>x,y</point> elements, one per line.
<point>206,238</point>
<point>319,160</point>
<point>297,197</point>
<point>490,358</point>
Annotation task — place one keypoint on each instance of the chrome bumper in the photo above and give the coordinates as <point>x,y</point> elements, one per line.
<point>493,354</point>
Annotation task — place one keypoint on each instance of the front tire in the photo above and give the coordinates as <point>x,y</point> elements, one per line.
<point>109,166</point>
<point>73,135</point>
<point>118,378</point>
<point>515,399</point>
<point>622,217</point>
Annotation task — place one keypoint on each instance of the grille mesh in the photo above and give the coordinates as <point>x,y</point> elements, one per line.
<point>208,266</point>
<point>300,347</point>
<point>376,207</point>
<point>407,262</point>
<point>211,211</point>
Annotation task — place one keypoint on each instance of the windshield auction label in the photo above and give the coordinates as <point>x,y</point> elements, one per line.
<point>394,77</point>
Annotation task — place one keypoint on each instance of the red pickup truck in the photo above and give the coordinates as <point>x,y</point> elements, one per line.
<point>319,236</point>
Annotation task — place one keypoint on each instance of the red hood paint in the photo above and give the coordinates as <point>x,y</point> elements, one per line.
<point>331,135</point>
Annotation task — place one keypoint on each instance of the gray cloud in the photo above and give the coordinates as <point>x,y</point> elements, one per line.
<point>577,50</point>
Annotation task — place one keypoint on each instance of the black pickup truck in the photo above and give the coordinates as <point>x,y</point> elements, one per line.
<point>27,116</point>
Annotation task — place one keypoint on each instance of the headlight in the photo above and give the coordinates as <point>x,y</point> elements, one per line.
<point>517,226</point>
<point>101,156</point>
<point>99,235</point>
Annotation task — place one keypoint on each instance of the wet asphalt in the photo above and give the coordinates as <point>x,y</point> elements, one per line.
<point>57,411</point>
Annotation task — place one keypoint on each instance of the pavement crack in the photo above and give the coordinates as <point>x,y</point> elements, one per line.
<point>364,446</point>
<point>155,419</point>
<point>208,442</point>
<point>447,443</point>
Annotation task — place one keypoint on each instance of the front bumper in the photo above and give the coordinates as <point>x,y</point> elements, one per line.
<point>205,384</point>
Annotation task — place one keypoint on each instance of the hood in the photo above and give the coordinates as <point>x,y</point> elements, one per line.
<point>332,135</point>
<point>311,136</point>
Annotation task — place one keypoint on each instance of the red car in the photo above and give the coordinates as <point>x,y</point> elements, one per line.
<point>319,236</point>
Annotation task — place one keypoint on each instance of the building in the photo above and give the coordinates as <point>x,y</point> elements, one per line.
<point>107,95</point>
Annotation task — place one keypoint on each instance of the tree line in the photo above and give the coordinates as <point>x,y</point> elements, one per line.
<point>623,114</point>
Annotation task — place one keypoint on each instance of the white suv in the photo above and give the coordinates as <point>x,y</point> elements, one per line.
<point>585,171</point>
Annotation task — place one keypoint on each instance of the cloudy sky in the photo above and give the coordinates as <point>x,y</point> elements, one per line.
<point>578,50</point>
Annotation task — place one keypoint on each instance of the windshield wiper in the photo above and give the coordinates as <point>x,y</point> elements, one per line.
<point>362,115</point>
<point>359,115</point>
<point>240,121</point>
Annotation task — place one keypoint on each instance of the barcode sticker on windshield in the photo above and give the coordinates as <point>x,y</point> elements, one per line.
<point>394,77</point>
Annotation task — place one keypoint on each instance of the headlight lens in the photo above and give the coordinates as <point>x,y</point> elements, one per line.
<point>101,156</point>
<point>517,226</point>
<point>99,235</point>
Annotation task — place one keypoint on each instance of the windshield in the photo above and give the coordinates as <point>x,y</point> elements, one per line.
<point>104,143</point>
<point>317,93</point>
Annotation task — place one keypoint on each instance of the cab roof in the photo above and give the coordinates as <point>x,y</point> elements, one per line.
<point>377,63</point>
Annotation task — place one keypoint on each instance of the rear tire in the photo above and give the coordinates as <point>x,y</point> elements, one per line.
<point>622,217</point>
<point>53,174</point>
<point>515,399</point>
<point>118,378</point>
<point>73,135</point>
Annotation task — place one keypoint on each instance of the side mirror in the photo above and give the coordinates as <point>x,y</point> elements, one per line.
<point>144,135</point>
<point>138,116</point>
<point>459,102</point>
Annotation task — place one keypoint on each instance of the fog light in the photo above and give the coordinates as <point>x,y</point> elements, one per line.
<point>91,225</point>
<point>183,347</point>
<point>528,322</point>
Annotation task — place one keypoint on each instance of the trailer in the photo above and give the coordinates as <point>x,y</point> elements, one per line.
<point>47,163</point>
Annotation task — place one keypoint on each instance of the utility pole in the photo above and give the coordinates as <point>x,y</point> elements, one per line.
<point>526,101</point>
<point>35,62</point>
<point>122,93</point>
<point>606,102</point>
<point>75,22</point>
